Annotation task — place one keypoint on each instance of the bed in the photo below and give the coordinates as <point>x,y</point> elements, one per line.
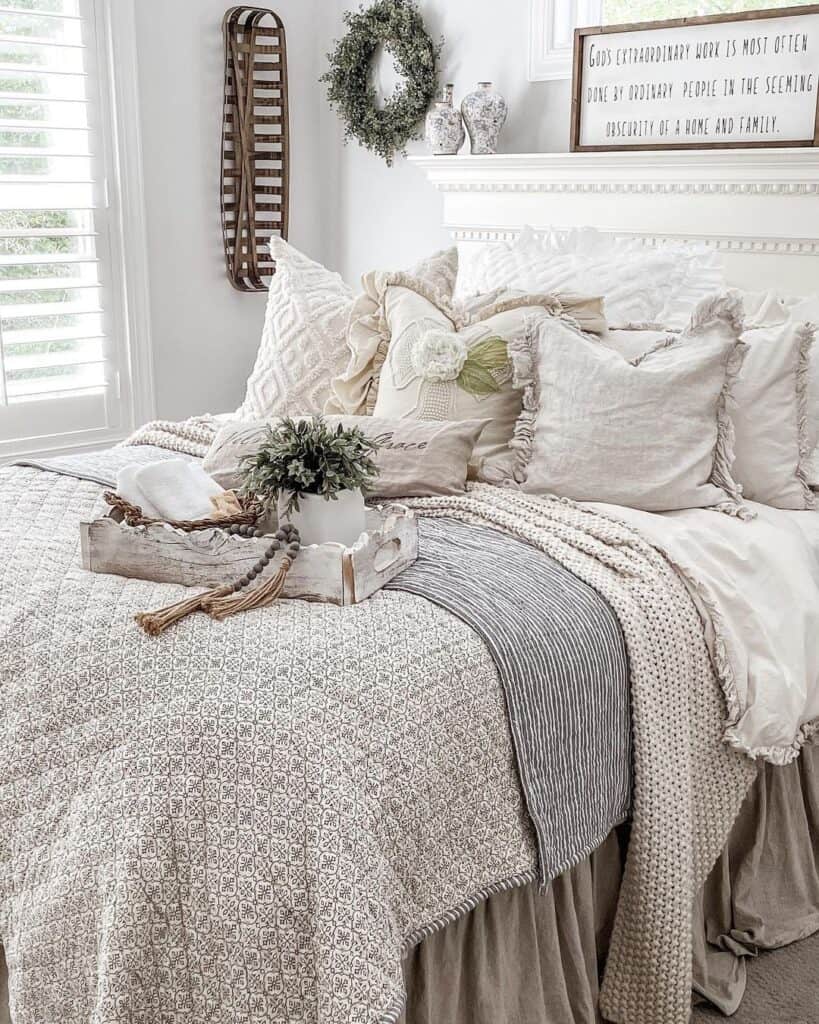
<point>295,816</point>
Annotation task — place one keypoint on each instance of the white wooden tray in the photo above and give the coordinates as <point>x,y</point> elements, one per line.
<point>210,558</point>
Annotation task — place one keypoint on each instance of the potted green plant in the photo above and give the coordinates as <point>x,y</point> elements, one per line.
<point>313,475</point>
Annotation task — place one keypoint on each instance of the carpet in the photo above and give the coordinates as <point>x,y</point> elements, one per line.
<point>783,988</point>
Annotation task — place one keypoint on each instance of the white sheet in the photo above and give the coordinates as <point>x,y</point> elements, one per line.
<point>756,584</point>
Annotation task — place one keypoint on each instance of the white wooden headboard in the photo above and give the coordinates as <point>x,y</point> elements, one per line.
<point>759,208</point>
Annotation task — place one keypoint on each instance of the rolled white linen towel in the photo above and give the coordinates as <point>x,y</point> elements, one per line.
<point>129,489</point>
<point>177,489</point>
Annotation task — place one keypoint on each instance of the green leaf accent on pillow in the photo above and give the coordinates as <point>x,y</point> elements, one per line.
<point>476,376</point>
<point>491,354</point>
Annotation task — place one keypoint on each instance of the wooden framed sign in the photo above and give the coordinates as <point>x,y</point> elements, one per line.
<point>733,80</point>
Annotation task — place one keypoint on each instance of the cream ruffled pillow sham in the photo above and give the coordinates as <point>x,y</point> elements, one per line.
<point>303,342</point>
<point>422,359</point>
<point>652,434</point>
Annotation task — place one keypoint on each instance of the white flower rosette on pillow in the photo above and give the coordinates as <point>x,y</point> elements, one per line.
<point>439,363</point>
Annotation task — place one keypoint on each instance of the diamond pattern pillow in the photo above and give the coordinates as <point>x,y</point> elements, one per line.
<point>303,342</point>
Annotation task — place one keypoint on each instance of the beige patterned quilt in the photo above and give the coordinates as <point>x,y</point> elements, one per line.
<point>250,821</point>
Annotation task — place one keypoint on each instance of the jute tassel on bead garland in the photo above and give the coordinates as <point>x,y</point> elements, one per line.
<point>229,599</point>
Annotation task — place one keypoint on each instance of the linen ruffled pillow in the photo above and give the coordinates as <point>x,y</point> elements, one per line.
<point>640,284</point>
<point>652,433</point>
<point>303,343</point>
<point>770,409</point>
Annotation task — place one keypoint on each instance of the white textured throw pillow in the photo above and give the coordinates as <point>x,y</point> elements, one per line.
<point>652,434</point>
<point>303,343</point>
<point>639,284</point>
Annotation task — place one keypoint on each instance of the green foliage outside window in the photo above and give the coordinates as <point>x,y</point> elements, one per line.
<point>618,12</point>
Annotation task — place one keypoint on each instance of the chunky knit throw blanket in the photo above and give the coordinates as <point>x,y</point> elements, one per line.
<point>234,890</point>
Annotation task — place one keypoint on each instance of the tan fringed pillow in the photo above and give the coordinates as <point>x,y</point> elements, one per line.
<point>415,459</point>
<point>653,433</point>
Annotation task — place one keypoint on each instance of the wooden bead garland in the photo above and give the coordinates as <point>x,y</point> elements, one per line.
<point>234,597</point>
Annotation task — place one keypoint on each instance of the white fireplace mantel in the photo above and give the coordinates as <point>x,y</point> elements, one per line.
<point>794,171</point>
<point>745,202</point>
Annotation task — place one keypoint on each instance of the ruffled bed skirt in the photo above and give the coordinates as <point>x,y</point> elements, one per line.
<point>536,958</point>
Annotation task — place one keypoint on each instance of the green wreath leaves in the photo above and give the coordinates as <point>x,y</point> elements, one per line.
<point>398,25</point>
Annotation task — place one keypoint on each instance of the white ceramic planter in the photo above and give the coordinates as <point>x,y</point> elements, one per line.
<point>321,521</point>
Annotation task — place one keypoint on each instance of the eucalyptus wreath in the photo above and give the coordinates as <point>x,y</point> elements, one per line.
<point>398,25</point>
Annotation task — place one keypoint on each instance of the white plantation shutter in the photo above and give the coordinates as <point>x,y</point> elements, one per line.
<point>60,372</point>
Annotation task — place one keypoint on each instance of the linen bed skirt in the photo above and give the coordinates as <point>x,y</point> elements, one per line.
<point>536,958</point>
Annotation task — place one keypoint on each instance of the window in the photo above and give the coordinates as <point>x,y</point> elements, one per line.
<point>616,12</point>
<point>63,366</point>
<point>553,22</point>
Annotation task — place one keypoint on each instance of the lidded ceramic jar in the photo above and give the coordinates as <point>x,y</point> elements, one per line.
<point>484,112</point>
<point>445,129</point>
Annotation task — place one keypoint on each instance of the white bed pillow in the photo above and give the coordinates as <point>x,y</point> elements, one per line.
<point>303,342</point>
<point>770,399</point>
<point>652,434</point>
<point>639,284</point>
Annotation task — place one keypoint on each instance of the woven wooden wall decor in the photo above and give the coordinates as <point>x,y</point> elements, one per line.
<point>255,144</point>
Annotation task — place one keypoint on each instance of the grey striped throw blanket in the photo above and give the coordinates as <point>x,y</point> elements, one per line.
<point>561,657</point>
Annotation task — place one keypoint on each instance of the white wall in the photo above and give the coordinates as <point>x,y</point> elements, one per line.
<point>205,333</point>
<point>389,217</point>
<point>348,209</point>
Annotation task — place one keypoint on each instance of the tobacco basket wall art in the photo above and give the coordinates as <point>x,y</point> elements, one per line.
<point>255,144</point>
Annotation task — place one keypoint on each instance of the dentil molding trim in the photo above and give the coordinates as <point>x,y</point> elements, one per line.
<point>786,171</point>
<point>723,243</point>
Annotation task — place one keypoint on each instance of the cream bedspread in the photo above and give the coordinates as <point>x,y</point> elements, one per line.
<point>756,584</point>
<point>252,820</point>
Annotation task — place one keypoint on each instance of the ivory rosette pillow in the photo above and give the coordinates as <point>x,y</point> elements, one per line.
<point>414,458</point>
<point>653,433</point>
<point>355,391</point>
<point>640,284</point>
<point>303,342</point>
<point>441,367</point>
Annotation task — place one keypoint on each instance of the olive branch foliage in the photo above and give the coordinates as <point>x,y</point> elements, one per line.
<point>398,25</point>
<point>307,456</point>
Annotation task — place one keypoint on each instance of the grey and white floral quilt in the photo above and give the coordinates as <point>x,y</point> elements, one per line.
<point>251,821</point>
